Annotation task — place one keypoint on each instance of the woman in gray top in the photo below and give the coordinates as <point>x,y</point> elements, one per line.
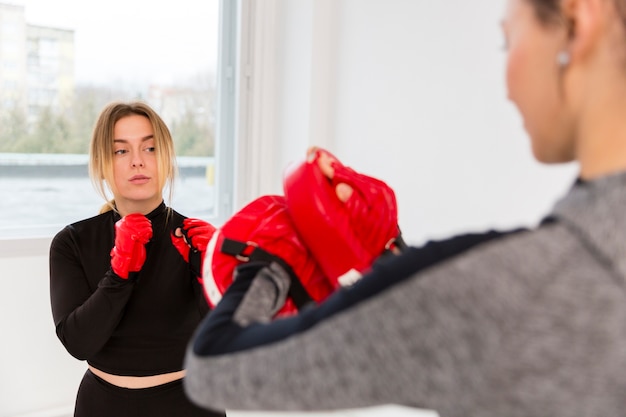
<point>523,323</point>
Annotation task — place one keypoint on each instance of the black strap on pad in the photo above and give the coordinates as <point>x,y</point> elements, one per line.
<point>250,251</point>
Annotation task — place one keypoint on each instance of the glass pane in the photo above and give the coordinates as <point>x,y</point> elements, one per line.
<point>61,62</point>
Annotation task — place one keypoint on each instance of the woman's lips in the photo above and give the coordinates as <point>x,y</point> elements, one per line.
<point>139,179</point>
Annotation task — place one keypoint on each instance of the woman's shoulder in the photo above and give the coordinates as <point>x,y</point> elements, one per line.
<point>176,215</point>
<point>93,221</point>
<point>90,225</point>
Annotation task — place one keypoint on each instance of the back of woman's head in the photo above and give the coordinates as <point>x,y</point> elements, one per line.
<point>101,151</point>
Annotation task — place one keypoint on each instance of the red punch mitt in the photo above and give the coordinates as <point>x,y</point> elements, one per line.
<point>262,230</point>
<point>345,237</point>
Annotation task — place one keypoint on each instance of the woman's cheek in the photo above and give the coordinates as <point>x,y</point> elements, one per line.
<point>513,75</point>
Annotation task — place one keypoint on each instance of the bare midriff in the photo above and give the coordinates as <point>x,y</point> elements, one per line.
<point>138,381</point>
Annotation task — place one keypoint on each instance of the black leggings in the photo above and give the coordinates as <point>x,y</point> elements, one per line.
<point>98,398</point>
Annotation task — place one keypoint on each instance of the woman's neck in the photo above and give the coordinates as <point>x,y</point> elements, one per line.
<point>603,151</point>
<point>144,207</point>
<point>601,133</point>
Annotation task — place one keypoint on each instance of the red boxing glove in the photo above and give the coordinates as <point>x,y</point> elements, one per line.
<point>344,237</point>
<point>192,244</point>
<point>132,232</point>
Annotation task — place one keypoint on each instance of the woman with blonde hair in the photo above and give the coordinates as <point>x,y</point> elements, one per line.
<point>124,290</point>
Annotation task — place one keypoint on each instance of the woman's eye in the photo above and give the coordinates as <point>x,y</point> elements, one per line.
<point>150,149</point>
<point>120,151</point>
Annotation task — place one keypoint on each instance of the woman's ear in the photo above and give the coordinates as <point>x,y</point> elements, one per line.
<point>586,21</point>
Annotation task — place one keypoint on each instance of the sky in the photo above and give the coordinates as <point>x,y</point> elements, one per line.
<point>133,40</point>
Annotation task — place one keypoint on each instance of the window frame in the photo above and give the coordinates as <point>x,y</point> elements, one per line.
<point>226,104</point>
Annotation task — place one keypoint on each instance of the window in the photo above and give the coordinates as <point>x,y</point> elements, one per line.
<point>62,68</point>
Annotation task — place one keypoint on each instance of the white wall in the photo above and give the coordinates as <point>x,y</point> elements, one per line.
<point>36,373</point>
<point>409,91</point>
<point>412,92</point>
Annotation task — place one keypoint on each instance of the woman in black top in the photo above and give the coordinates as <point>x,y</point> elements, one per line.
<point>124,295</point>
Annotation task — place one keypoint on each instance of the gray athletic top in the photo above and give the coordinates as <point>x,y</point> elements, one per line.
<point>530,324</point>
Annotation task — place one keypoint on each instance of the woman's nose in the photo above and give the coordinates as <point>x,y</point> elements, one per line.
<point>137,161</point>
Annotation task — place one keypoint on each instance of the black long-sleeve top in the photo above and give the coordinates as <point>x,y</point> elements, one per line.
<point>138,326</point>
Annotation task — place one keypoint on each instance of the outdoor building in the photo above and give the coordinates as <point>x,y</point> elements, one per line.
<point>49,69</point>
<point>37,69</point>
<point>12,56</point>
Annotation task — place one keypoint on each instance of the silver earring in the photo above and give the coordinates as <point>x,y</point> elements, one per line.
<point>563,59</point>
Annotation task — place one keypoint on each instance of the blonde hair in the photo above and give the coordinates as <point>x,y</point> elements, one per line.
<point>101,149</point>
<point>549,11</point>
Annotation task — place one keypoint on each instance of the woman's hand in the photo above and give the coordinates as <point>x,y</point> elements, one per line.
<point>132,232</point>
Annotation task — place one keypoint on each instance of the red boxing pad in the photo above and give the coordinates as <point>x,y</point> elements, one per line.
<point>344,237</point>
<point>265,224</point>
